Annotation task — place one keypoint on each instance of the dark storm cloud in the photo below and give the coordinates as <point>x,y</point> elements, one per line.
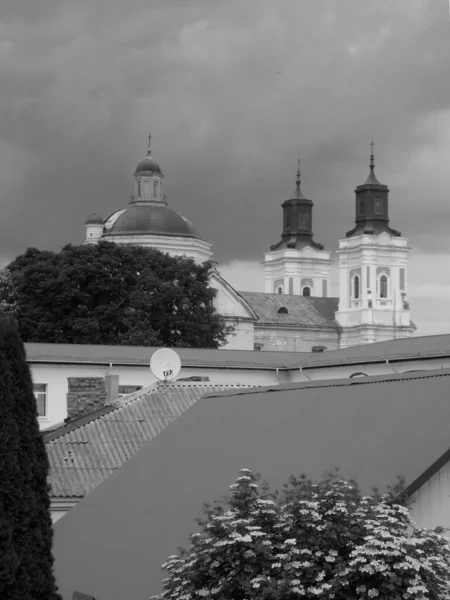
<point>232,92</point>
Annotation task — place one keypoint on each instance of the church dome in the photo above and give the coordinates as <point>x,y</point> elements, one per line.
<point>153,218</point>
<point>94,219</point>
<point>148,166</point>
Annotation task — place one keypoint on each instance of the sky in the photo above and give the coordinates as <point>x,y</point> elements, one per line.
<point>232,92</point>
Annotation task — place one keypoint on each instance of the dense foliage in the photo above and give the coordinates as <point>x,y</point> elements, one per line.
<point>8,296</point>
<point>25,524</point>
<point>318,541</point>
<point>113,294</point>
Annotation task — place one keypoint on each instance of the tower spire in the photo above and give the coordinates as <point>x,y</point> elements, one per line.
<point>149,143</point>
<point>372,177</point>
<point>298,191</point>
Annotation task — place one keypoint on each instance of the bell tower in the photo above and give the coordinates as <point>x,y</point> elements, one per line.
<point>373,261</point>
<point>297,264</point>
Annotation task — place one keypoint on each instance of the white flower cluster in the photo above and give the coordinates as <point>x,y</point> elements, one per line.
<point>329,545</point>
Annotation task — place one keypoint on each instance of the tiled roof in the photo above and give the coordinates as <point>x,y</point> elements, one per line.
<point>302,311</point>
<point>88,450</point>
<point>374,429</point>
<point>402,349</point>
<point>140,355</point>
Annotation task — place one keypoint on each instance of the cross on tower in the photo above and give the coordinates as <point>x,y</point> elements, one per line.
<point>149,142</point>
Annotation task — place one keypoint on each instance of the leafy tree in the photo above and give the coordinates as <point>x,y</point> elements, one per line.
<point>8,296</point>
<point>113,294</point>
<point>314,540</point>
<point>25,524</point>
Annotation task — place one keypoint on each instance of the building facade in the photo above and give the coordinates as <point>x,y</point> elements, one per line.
<point>295,313</point>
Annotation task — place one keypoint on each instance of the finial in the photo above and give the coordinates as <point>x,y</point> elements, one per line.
<point>372,156</point>
<point>372,177</point>
<point>149,142</point>
<point>298,192</point>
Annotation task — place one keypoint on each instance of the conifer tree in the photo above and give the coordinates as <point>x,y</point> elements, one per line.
<point>25,524</point>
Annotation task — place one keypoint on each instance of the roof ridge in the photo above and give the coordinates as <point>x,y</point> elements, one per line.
<point>369,380</point>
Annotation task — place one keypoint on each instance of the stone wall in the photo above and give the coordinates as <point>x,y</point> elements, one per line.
<point>85,394</point>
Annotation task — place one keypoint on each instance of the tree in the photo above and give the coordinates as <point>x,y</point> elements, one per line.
<point>25,524</point>
<point>8,296</point>
<point>113,294</point>
<point>315,540</point>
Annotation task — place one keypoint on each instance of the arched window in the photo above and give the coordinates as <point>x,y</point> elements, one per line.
<point>383,286</point>
<point>356,287</point>
<point>359,374</point>
<point>307,291</point>
<point>283,310</point>
<point>280,290</point>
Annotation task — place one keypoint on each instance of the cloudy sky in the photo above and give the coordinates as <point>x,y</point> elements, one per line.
<point>232,92</point>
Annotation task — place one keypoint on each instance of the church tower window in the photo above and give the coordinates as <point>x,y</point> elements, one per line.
<point>139,189</point>
<point>356,287</point>
<point>378,206</point>
<point>361,206</point>
<point>302,219</point>
<point>287,222</point>
<point>306,291</point>
<point>383,286</point>
<point>155,188</point>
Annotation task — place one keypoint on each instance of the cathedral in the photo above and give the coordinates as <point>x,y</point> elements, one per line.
<point>295,313</point>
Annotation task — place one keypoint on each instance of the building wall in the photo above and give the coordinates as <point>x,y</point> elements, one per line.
<point>295,340</point>
<point>292,270</point>
<point>370,318</point>
<point>56,376</point>
<point>431,503</point>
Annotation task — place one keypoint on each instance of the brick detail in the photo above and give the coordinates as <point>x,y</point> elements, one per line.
<point>85,395</point>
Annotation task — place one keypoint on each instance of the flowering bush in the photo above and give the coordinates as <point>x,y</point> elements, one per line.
<point>314,541</point>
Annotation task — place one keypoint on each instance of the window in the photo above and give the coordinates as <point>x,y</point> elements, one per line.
<point>280,290</point>
<point>283,310</point>
<point>402,279</point>
<point>383,287</point>
<point>361,206</point>
<point>378,206</point>
<point>318,349</point>
<point>356,287</point>
<point>355,375</point>
<point>40,393</point>
<point>302,219</point>
<point>258,347</point>
<point>155,188</point>
<point>306,291</point>
<point>287,222</point>
<point>139,189</point>
<point>124,390</point>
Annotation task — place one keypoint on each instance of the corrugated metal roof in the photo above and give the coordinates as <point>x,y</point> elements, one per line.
<point>140,355</point>
<point>401,349</point>
<point>88,450</point>
<point>302,311</point>
<point>374,429</point>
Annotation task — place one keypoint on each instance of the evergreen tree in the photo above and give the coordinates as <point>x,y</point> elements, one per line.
<point>113,294</point>
<point>25,524</point>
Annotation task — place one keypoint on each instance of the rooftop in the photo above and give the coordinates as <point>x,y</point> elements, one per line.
<point>375,429</point>
<point>140,356</point>
<point>88,450</point>
<point>414,347</point>
<point>302,311</point>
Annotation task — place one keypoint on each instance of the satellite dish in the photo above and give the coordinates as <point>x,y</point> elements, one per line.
<point>165,364</point>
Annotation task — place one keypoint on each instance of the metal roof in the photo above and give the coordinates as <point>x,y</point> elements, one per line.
<point>401,349</point>
<point>85,452</point>
<point>375,429</point>
<point>303,312</point>
<point>140,355</point>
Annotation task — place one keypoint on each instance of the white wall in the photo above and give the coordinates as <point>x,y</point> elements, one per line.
<point>431,503</point>
<point>55,376</point>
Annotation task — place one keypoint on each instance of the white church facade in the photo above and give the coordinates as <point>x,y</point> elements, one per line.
<point>295,313</point>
